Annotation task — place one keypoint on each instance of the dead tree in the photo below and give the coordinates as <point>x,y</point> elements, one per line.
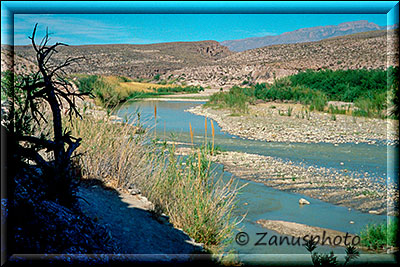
<point>49,87</point>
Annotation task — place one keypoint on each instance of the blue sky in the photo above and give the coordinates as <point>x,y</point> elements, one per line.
<point>77,29</point>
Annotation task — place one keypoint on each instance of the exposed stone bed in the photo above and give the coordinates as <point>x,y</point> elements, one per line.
<point>270,122</point>
<point>339,187</point>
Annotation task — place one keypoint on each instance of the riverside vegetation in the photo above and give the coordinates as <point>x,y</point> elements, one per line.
<point>41,207</point>
<point>368,90</point>
<point>109,91</point>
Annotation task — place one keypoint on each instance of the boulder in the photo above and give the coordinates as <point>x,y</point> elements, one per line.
<point>303,201</point>
<point>373,212</point>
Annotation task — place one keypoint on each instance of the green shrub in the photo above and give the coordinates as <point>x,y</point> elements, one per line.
<point>379,236</point>
<point>156,77</point>
<point>343,85</point>
<point>366,88</point>
<point>318,101</point>
<point>124,79</point>
<point>176,89</point>
<point>87,83</point>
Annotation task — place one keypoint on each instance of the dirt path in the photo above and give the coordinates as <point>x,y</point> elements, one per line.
<point>134,228</point>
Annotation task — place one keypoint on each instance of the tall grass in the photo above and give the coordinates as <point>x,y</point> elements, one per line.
<point>186,189</point>
<point>191,132</point>
<point>374,105</point>
<point>112,152</point>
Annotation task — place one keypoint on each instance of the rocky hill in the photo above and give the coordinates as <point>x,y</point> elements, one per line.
<point>10,61</point>
<point>136,61</point>
<point>363,50</point>
<point>303,35</point>
<point>208,63</point>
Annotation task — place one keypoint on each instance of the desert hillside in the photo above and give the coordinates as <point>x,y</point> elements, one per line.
<point>362,50</point>
<point>208,63</point>
<point>135,61</point>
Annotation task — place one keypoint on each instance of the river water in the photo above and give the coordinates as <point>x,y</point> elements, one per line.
<point>258,200</point>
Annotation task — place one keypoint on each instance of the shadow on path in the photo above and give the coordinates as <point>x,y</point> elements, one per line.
<point>134,229</point>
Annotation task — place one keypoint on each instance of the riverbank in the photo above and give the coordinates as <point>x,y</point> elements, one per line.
<point>284,122</point>
<point>321,236</point>
<point>339,187</point>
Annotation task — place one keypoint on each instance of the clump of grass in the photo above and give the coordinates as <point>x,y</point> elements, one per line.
<point>289,111</point>
<point>379,236</point>
<point>372,106</point>
<point>195,199</point>
<point>336,110</point>
<point>110,151</point>
<point>318,101</point>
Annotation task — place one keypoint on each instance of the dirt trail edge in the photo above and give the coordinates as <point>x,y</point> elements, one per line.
<point>134,228</point>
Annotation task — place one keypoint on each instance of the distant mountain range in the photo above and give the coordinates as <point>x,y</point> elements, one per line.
<point>304,35</point>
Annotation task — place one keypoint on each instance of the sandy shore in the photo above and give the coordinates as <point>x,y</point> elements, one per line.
<point>321,236</point>
<point>271,122</point>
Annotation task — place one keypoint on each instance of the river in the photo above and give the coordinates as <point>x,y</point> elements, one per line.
<point>260,201</point>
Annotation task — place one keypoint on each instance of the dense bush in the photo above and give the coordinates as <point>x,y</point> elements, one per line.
<point>368,89</point>
<point>343,85</point>
<point>102,90</point>
<point>86,84</point>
